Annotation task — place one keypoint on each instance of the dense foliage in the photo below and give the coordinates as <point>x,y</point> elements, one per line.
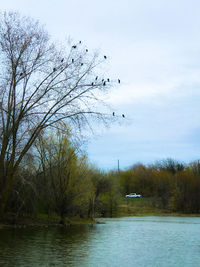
<point>59,180</point>
<point>168,184</point>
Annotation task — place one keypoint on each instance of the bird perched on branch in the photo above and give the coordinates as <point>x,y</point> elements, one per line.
<point>118,80</point>
<point>86,50</point>
<point>123,115</point>
<point>62,60</point>
<point>105,57</point>
<point>108,80</point>
<point>54,69</point>
<point>96,78</point>
<point>113,113</point>
<point>72,60</point>
<point>74,46</point>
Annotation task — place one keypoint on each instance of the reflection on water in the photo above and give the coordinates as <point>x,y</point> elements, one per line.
<point>42,246</point>
<point>134,241</point>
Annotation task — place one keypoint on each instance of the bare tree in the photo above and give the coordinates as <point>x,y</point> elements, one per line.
<point>40,86</point>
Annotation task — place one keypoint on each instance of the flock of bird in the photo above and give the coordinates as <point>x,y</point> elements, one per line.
<point>103,81</point>
<point>74,47</point>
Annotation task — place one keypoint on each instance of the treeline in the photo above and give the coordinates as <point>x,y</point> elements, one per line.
<point>168,184</point>
<point>56,179</point>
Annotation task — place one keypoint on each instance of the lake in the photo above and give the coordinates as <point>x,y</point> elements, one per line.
<point>133,241</point>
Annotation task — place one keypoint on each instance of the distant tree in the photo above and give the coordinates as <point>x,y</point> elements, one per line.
<point>143,180</point>
<point>127,184</point>
<point>40,85</point>
<point>195,167</point>
<point>23,196</point>
<point>64,175</point>
<point>110,197</point>
<point>170,165</point>
<point>189,186</point>
<point>176,202</point>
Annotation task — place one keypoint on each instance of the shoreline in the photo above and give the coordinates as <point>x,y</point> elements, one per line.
<point>159,214</point>
<point>73,221</point>
<point>23,222</point>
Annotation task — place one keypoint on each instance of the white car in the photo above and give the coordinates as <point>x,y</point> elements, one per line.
<point>133,195</point>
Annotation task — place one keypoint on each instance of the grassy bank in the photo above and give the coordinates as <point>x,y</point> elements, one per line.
<point>145,207</point>
<point>42,220</point>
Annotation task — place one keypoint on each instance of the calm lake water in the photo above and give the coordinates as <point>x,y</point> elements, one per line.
<point>133,241</point>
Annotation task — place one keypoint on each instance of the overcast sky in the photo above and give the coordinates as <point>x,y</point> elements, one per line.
<point>154,47</point>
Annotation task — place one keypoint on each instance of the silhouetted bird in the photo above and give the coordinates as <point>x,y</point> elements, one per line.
<point>113,113</point>
<point>72,60</point>
<point>86,50</point>
<point>118,80</point>
<point>79,42</point>
<point>108,80</point>
<point>123,115</point>
<point>54,69</point>
<point>105,57</point>
<point>104,83</point>
<point>74,46</point>
<point>81,64</point>
<point>96,78</point>
<point>21,74</point>
<point>62,60</point>
<point>92,84</point>
<point>102,80</point>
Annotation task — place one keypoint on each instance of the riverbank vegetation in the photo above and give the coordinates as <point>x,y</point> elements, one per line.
<point>57,184</point>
